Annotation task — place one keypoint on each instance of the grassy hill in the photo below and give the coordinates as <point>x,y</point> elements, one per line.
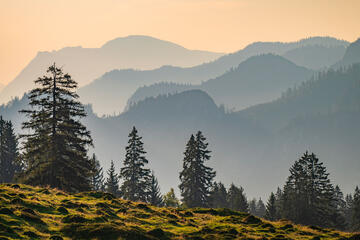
<point>40,213</point>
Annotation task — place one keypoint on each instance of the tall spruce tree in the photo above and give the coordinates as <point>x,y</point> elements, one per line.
<point>112,181</point>
<point>308,193</point>
<point>271,213</point>
<point>9,161</point>
<point>236,199</point>
<point>218,196</point>
<point>356,210</point>
<point>252,207</point>
<point>349,211</point>
<point>55,149</point>
<point>154,194</point>
<point>260,208</point>
<point>196,178</point>
<point>97,175</point>
<point>136,179</point>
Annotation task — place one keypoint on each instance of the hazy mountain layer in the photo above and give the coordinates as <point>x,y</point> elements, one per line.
<point>109,93</point>
<point>257,80</point>
<point>87,64</point>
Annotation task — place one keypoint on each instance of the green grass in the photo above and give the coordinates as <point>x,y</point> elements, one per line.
<point>40,213</point>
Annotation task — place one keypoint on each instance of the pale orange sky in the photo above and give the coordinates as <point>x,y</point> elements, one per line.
<point>29,26</point>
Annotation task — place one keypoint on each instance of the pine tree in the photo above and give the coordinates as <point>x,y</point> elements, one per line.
<point>154,194</point>
<point>55,149</point>
<point>252,207</point>
<point>97,176</point>
<point>112,181</point>
<point>349,211</point>
<point>260,208</point>
<point>170,199</point>
<point>218,196</point>
<point>308,194</point>
<point>338,206</point>
<point>196,178</point>
<point>356,210</point>
<point>271,213</point>
<point>9,161</point>
<point>279,203</point>
<point>136,179</point>
<point>237,199</point>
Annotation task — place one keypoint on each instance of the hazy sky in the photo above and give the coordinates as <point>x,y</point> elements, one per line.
<point>29,26</point>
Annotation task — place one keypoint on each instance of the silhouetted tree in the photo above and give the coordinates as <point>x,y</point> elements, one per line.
<point>218,196</point>
<point>308,193</point>
<point>196,178</point>
<point>356,210</point>
<point>112,181</point>
<point>9,162</point>
<point>170,199</point>
<point>154,194</point>
<point>252,206</point>
<point>271,213</point>
<point>260,208</point>
<point>136,179</point>
<point>55,149</point>
<point>236,199</point>
<point>97,176</point>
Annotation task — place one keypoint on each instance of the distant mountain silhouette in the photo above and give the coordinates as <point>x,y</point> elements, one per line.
<point>258,79</point>
<point>87,64</point>
<point>110,92</point>
<point>320,115</point>
<point>351,56</point>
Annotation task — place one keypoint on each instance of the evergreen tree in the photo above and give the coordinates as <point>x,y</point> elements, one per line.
<point>252,207</point>
<point>170,199</point>
<point>112,181</point>
<point>260,208</point>
<point>308,194</point>
<point>154,194</point>
<point>237,199</point>
<point>279,203</point>
<point>218,196</point>
<point>349,211</point>
<point>196,178</point>
<point>356,210</point>
<point>97,176</point>
<point>9,154</point>
<point>55,149</point>
<point>136,179</point>
<point>271,213</point>
<point>339,209</point>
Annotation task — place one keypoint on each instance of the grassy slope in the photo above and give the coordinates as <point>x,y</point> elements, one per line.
<point>29,213</point>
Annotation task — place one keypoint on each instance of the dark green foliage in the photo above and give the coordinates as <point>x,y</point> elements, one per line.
<point>55,149</point>
<point>135,177</point>
<point>308,196</point>
<point>97,176</point>
<point>218,196</point>
<point>112,181</point>
<point>9,162</point>
<point>271,211</point>
<point>356,210</point>
<point>196,178</point>
<point>154,195</point>
<point>170,199</point>
<point>237,200</point>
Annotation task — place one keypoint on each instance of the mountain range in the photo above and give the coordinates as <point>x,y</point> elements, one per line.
<point>319,115</point>
<point>110,92</point>
<point>87,64</point>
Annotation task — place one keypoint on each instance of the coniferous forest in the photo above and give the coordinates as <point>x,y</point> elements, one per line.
<point>257,138</point>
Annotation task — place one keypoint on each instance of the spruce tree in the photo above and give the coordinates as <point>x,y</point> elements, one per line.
<point>9,161</point>
<point>218,196</point>
<point>237,200</point>
<point>349,211</point>
<point>55,149</point>
<point>112,181</point>
<point>196,178</point>
<point>308,193</point>
<point>356,210</point>
<point>271,213</point>
<point>260,208</point>
<point>136,179</point>
<point>97,176</point>
<point>154,194</point>
<point>170,199</point>
<point>252,207</point>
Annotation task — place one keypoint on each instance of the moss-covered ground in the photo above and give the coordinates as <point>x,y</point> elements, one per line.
<point>40,213</point>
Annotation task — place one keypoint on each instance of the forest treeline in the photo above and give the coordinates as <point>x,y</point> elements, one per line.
<point>54,153</point>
